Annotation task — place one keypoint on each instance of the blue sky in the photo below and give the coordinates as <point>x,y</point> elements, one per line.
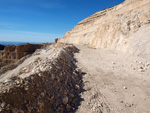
<point>44,20</point>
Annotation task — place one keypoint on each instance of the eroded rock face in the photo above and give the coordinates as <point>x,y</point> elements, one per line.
<point>11,54</point>
<point>113,28</point>
<point>49,86</point>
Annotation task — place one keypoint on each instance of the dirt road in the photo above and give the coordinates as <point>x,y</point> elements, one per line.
<point>114,83</point>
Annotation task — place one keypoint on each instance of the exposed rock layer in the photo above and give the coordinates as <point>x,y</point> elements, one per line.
<point>114,28</point>
<point>11,54</point>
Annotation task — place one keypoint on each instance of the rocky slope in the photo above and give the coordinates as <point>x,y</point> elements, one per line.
<point>123,27</point>
<point>11,54</point>
<point>46,82</point>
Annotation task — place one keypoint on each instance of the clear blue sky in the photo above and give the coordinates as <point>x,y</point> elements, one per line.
<point>44,20</point>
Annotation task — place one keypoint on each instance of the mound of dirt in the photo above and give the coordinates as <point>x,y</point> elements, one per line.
<point>53,84</point>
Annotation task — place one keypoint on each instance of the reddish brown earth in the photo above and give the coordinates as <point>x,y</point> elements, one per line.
<point>11,54</point>
<point>46,82</point>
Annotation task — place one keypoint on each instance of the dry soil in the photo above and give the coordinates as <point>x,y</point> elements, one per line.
<point>114,82</point>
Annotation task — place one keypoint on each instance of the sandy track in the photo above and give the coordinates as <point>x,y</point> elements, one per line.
<point>112,83</point>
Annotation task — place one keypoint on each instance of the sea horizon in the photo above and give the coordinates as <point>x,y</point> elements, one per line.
<point>6,43</point>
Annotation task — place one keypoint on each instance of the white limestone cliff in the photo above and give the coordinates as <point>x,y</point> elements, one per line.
<point>124,27</point>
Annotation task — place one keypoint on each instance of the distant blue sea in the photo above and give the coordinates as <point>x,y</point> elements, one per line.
<point>6,43</point>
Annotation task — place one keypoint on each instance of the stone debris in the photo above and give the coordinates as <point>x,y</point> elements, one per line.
<point>140,66</point>
<point>65,100</point>
<point>129,104</point>
<point>45,85</point>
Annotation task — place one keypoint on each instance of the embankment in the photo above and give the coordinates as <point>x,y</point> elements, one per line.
<point>49,83</point>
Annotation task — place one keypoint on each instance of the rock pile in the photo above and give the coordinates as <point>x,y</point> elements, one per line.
<point>52,86</point>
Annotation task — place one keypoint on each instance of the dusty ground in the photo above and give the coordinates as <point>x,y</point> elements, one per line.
<point>114,83</point>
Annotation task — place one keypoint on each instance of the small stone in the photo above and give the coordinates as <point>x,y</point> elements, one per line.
<point>3,104</point>
<point>130,105</point>
<point>133,68</point>
<point>79,70</point>
<point>6,80</point>
<point>21,81</point>
<point>121,101</point>
<point>65,100</point>
<point>26,88</point>
<point>147,64</point>
<point>17,82</point>
<point>141,70</point>
<point>113,63</point>
<point>39,74</point>
<point>140,62</point>
<point>125,87</point>
<point>42,94</point>
<point>77,87</point>
<point>68,107</point>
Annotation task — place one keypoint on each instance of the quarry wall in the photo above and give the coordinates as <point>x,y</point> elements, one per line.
<point>113,28</point>
<point>11,54</point>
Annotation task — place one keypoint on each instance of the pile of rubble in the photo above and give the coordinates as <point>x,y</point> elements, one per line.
<point>52,85</point>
